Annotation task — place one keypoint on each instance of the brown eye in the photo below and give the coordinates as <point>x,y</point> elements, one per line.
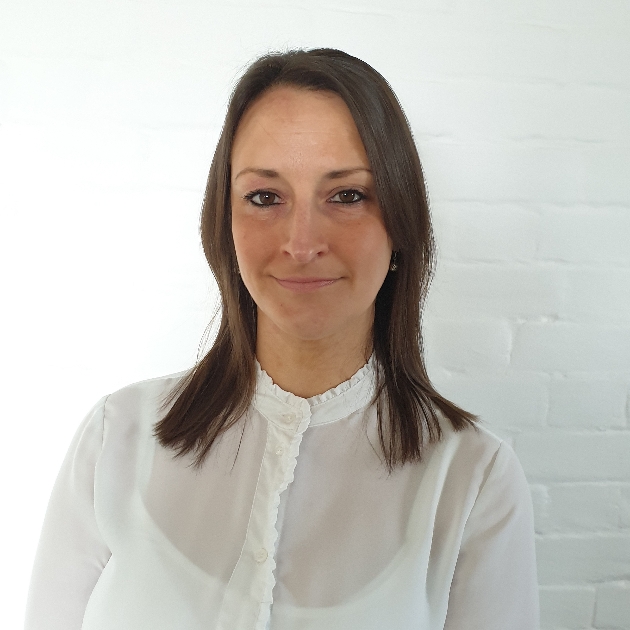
<point>262,198</point>
<point>348,196</point>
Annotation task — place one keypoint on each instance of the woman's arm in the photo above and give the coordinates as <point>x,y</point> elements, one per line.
<point>495,585</point>
<point>71,553</point>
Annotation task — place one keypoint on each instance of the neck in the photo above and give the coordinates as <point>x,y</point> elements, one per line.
<point>309,367</point>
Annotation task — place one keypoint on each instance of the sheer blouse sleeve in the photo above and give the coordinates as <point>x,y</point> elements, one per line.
<point>495,585</point>
<point>71,553</point>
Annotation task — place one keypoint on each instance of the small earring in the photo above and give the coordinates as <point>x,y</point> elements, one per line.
<point>393,265</point>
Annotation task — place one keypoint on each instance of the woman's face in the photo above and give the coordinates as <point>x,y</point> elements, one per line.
<point>309,236</point>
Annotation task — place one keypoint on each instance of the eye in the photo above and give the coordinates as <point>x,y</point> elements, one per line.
<point>262,198</point>
<point>348,196</point>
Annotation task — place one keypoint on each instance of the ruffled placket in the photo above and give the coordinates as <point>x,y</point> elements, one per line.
<point>248,595</point>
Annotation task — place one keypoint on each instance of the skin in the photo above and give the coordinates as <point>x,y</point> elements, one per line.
<point>304,207</point>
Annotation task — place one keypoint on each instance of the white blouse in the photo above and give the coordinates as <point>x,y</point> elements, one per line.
<point>293,522</point>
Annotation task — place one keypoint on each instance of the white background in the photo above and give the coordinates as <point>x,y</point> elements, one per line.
<point>109,113</point>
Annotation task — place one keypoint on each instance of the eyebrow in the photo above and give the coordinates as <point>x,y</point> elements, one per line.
<point>271,174</point>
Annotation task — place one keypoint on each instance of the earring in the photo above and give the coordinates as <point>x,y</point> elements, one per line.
<point>393,265</point>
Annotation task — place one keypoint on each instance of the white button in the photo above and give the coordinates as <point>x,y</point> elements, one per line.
<point>261,555</point>
<point>289,417</point>
<point>279,450</point>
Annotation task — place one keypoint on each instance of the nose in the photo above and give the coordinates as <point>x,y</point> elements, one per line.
<point>305,240</point>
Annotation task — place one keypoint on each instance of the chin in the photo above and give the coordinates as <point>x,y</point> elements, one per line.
<point>307,326</point>
<point>307,332</point>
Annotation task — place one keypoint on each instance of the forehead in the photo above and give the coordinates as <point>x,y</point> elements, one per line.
<point>292,120</point>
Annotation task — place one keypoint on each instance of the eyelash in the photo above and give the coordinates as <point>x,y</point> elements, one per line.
<point>361,195</point>
<point>250,197</point>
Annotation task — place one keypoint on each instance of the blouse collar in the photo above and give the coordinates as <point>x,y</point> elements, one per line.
<point>278,405</point>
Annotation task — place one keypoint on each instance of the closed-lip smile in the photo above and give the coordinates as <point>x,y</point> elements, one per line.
<point>304,284</point>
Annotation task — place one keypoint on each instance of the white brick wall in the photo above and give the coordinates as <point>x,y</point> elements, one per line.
<point>109,112</point>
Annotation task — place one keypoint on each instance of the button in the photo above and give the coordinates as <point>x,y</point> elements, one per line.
<point>279,450</point>
<point>289,416</point>
<point>261,555</point>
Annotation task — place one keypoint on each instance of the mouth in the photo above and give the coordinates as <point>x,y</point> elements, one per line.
<point>304,285</point>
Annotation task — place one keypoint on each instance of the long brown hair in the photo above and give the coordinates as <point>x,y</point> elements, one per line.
<point>217,392</point>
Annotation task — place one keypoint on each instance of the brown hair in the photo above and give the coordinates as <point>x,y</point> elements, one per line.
<point>218,390</point>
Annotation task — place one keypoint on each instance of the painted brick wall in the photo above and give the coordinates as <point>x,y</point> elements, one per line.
<point>109,112</point>
<point>529,319</point>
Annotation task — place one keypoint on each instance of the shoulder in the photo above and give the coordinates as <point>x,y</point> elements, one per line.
<point>475,445</point>
<point>146,390</point>
<point>483,461</point>
<point>141,402</point>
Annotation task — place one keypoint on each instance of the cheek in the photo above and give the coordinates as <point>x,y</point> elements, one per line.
<point>243,237</point>
<point>239,237</point>
<point>252,248</point>
<point>372,252</point>
<point>369,264</point>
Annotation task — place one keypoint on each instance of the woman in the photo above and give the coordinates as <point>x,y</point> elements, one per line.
<point>305,474</point>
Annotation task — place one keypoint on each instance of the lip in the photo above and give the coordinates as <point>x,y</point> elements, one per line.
<point>304,285</point>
